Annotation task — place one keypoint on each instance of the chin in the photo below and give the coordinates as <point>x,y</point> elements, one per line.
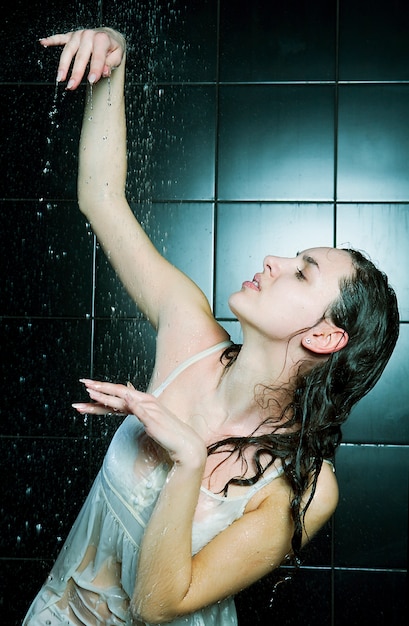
<point>237,305</point>
<point>231,302</point>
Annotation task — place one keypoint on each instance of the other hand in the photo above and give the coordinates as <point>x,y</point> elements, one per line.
<point>183,444</point>
<point>102,48</point>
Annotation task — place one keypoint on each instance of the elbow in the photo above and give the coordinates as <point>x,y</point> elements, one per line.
<point>150,616</point>
<point>150,612</point>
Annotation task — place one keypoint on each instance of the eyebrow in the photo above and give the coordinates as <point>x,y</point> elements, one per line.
<point>310,260</point>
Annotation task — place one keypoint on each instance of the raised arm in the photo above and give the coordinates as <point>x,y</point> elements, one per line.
<point>160,290</point>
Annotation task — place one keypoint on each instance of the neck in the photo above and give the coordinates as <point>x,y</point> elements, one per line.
<point>239,393</point>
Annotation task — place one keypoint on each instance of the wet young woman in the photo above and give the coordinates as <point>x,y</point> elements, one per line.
<point>222,468</point>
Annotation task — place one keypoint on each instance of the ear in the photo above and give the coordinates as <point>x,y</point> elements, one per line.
<point>325,338</point>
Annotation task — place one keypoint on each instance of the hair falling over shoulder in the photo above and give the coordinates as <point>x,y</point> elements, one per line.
<point>324,396</point>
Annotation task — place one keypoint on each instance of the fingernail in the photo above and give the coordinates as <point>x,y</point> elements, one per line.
<point>59,77</point>
<point>130,385</point>
<point>70,83</point>
<point>81,408</point>
<point>92,78</point>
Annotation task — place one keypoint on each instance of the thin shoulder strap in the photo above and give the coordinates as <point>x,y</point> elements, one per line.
<point>185,364</point>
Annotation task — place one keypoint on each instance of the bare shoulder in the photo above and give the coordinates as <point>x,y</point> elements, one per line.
<point>277,495</point>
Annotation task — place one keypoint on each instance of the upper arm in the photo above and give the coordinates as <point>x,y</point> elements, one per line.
<point>256,543</point>
<point>159,289</point>
<point>247,550</point>
<point>323,504</point>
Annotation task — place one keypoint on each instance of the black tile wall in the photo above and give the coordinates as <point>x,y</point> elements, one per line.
<point>44,141</point>
<point>42,360</point>
<point>46,246</point>
<point>376,597</point>
<point>175,129</point>
<point>254,128</point>
<point>373,143</point>
<point>294,41</point>
<point>304,596</point>
<point>378,539</point>
<point>373,41</point>
<point>276,142</point>
<point>169,42</point>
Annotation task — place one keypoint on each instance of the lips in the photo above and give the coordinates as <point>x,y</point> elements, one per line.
<point>254,284</point>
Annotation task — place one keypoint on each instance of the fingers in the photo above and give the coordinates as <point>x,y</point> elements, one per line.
<point>109,397</point>
<point>102,49</point>
<point>79,48</point>
<point>93,48</point>
<point>90,408</point>
<point>55,40</point>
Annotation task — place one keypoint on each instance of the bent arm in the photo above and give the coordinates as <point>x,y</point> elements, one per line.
<point>170,582</point>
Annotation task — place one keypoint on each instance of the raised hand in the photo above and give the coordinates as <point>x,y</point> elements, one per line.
<point>183,444</point>
<point>102,48</point>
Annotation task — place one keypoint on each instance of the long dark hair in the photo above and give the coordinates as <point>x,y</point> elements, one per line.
<point>324,395</point>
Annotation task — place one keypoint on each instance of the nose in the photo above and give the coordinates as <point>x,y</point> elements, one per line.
<point>273,264</point>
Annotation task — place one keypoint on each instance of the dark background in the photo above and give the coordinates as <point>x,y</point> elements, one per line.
<point>254,127</point>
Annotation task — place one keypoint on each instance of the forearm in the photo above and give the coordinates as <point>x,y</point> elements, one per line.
<point>165,564</point>
<point>102,155</point>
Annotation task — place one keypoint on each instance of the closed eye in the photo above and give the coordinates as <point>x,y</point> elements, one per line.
<point>299,274</point>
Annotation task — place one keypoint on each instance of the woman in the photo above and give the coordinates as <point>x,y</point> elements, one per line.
<point>222,469</point>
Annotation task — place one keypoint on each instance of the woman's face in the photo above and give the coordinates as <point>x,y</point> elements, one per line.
<point>291,294</point>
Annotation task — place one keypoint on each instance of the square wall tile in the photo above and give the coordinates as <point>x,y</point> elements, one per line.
<point>268,41</point>
<point>383,415</point>
<point>15,598</point>
<point>45,359</point>
<point>276,142</point>
<point>171,142</point>
<point>46,482</point>
<point>285,597</point>
<point>183,233</point>
<point>381,230</point>
<point>373,143</point>
<point>373,41</point>
<point>167,41</point>
<point>40,132</point>
<point>247,232</point>
<point>370,597</point>
<point>371,520</point>
<point>124,351</point>
<point>46,250</point>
